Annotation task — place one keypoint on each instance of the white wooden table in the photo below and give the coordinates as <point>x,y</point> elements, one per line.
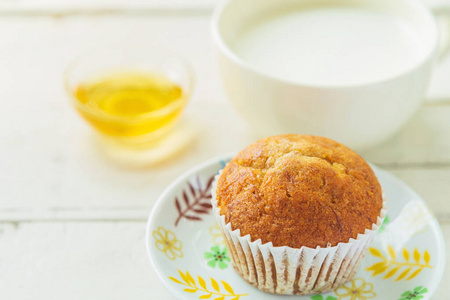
<point>72,222</point>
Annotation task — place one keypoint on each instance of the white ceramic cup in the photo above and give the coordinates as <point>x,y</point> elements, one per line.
<point>357,115</point>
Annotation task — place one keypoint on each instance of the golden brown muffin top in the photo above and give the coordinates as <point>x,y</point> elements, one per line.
<point>299,190</point>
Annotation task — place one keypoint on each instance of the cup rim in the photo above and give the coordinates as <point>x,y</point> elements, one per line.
<point>223,47</point>
<point>186,93</point>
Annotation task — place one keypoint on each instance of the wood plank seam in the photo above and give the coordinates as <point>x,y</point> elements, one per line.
<point>97,12</point>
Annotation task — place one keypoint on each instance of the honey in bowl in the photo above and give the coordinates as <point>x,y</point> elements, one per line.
<point>130,104</point>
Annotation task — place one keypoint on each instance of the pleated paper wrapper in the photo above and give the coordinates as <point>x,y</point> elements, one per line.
<point>286,270</point>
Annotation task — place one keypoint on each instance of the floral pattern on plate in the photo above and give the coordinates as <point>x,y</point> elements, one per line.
<point>356,289</point>
<point>167,242</point>
<point>217,257</point>
<point>416,294</point>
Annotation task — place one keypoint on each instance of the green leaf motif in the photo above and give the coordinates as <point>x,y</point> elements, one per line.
<point>222,265</point>
<point>406,293</point>
<point>320,297</point>
<point>416,294</point>
<point>212,263</point>
<point>384,224</point>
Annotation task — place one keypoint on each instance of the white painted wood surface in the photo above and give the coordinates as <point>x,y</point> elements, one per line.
<point>71,221</point>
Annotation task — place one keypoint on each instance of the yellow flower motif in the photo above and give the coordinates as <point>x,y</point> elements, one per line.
<point>166,241</point>
<point>217,236</point>
<point>359,290</point>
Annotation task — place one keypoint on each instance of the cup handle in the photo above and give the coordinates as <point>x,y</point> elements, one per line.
<point>442,15</point>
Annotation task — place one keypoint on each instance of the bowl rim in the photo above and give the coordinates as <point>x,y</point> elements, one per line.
<point>224,48</point>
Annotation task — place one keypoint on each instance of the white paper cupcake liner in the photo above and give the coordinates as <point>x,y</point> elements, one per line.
<point>286,270</point>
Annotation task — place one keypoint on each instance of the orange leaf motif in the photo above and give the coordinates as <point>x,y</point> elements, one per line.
<point>227,287</point>
<point>184,277</point>
<point>414,274</point>
<point>426,257</point>
<point>192,287</point>
<point>391,265</point>
<point>391,272</point>
<point>416,255</point>
<point>391,252</point>
<point>376,252</point>
<point>380,270</point>
<point>376,266</point>
<point>404,273</point>
<point>406,254</point>
<point>190,279</point>
<point>215,285</point>
<point>176,280</point>
<point>202,282</point>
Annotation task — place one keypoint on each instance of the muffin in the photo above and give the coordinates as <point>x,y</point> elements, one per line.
<point>298,212</point>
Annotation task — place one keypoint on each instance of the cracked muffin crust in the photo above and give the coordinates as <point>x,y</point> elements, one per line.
<point>299,190</point>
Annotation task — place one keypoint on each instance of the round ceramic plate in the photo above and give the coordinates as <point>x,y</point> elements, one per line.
<point>405,261</point>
